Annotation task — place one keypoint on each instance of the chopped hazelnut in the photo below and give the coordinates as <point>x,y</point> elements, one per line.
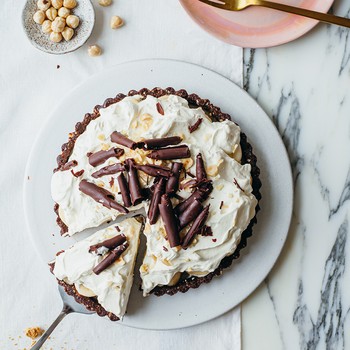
<point>39,17</point>
<point>46,26</point>
<point>57,4</point>
<point>43,5</point>
<point>116,22</point>
<point>58,25</point>
<point>72,21</point>
<point>55,37</point>
<point>69,4</point>
<point>64,12</point>
<point>67,33</point>
<point>51,13</point>
<point>105,2</point>
<point>94,51</point>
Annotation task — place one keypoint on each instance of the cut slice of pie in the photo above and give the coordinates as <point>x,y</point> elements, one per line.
<point>98,271</point>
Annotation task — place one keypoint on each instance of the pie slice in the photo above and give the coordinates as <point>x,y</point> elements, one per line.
<point>98,271</point>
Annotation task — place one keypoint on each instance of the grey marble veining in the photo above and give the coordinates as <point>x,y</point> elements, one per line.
<point>304,87</point>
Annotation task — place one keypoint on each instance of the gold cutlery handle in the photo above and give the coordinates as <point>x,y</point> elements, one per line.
<point>324,17</point>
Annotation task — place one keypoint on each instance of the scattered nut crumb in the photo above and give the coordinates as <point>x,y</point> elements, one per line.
<point>116,22</point>
<point>34,332</point>
<point>94,51</point>
<point>105,2</point>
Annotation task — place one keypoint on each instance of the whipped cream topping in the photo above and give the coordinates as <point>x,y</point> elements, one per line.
<point>231,206</point>
<point>112,286</point>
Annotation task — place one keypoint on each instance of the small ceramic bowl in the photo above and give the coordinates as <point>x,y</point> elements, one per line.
<point>85,12</point>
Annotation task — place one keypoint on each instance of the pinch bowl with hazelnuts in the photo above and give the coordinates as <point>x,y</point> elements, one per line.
<point>58,26</point>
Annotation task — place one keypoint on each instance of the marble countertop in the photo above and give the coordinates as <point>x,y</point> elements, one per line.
<point>304,87</point>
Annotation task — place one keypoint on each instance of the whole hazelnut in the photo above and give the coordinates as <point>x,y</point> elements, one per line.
<point>58,25</point>
<point>116,22</point>
<point>94,51</point>
<point>72,21</point>
<point>57,4</point>
<point>55,37</point>
<point>64,12</point>
<point>67,33</point>
<point>39,17</point>
<point>105,2</point>
<point>69,4</point>
<point>46,26</point>
<point>51,13</point>
<point>43,5</point>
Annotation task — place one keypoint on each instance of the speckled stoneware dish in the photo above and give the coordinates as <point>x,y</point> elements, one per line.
<point>41,41</point>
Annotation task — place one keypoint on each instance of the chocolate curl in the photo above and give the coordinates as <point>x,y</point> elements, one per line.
<point>160,108</point>
<point>110,243</point>
<point>112,256</point>
<point>173,183</point>
<point>177,152</point>
<point>197,225</point>
<point>124,189</point>
<point>153,211</point>
<point>108,170</point>
<point>161,142</point>
<point>200,169</point>
<point>195,126</point>
<point>200,194</point>
<point>134,184</point>
<point>154,170</point>
<point>190,213</point>
<point>120,139</point>
<point>100,157</point>
<point>169,220</point>
<point>101,195</point>
<point>69,165</point>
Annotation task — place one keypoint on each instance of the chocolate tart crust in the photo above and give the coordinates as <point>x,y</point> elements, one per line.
<point>216,115</point>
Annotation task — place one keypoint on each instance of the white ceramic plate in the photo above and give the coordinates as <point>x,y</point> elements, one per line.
<point>224,292</point>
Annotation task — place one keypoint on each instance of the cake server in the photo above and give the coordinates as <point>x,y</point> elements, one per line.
<point>238,5</point>
<point>69,306</point>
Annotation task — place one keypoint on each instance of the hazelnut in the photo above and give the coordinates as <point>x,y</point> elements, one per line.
<point>58,25</point>
<point>67,33</point>
<point>51,13</point>
<point>55,37</point>
<point>104,2</point>
<point>63,12</point>
<point>57,4</point>
<point>72,21</point>
<point>94,51</point>
<point>39,17</point>
<point>43,5</point>
<point>46,26</point>
<point>116,22</point>
<point>69,4</point>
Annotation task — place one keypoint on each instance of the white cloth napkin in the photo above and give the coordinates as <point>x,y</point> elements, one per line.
<point>31,84</point>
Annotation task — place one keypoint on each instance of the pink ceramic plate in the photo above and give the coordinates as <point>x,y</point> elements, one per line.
<point>255,26</point>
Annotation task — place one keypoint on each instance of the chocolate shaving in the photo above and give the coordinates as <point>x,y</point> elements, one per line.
<point>221,204</point>
<point>198,223</point>
<point>172,185</point>
<point>78,173</point>
<point>190,174</point>
<point>168,216</point>
<point>101,195</point>
<point>108,170</point>
<point>161,142</point>
<point>195,126</point>
<point>120,139</point>
<point>206,231</point>
<point>177,152</point>
<point>69,165</point>
<point>110,243</point>
<point>124,189</point>
<point>160,108</point>
<point>117,228</point>
<point>100,157</point>
<point>200,169</point>
<point>236,183</point>
<point>111,181</point>
<point>112,256</point>
<point>165,249</point>
<point>190,213</point>
<point>154,170</point>
<point>134,184</point>
<point>153,211</point>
